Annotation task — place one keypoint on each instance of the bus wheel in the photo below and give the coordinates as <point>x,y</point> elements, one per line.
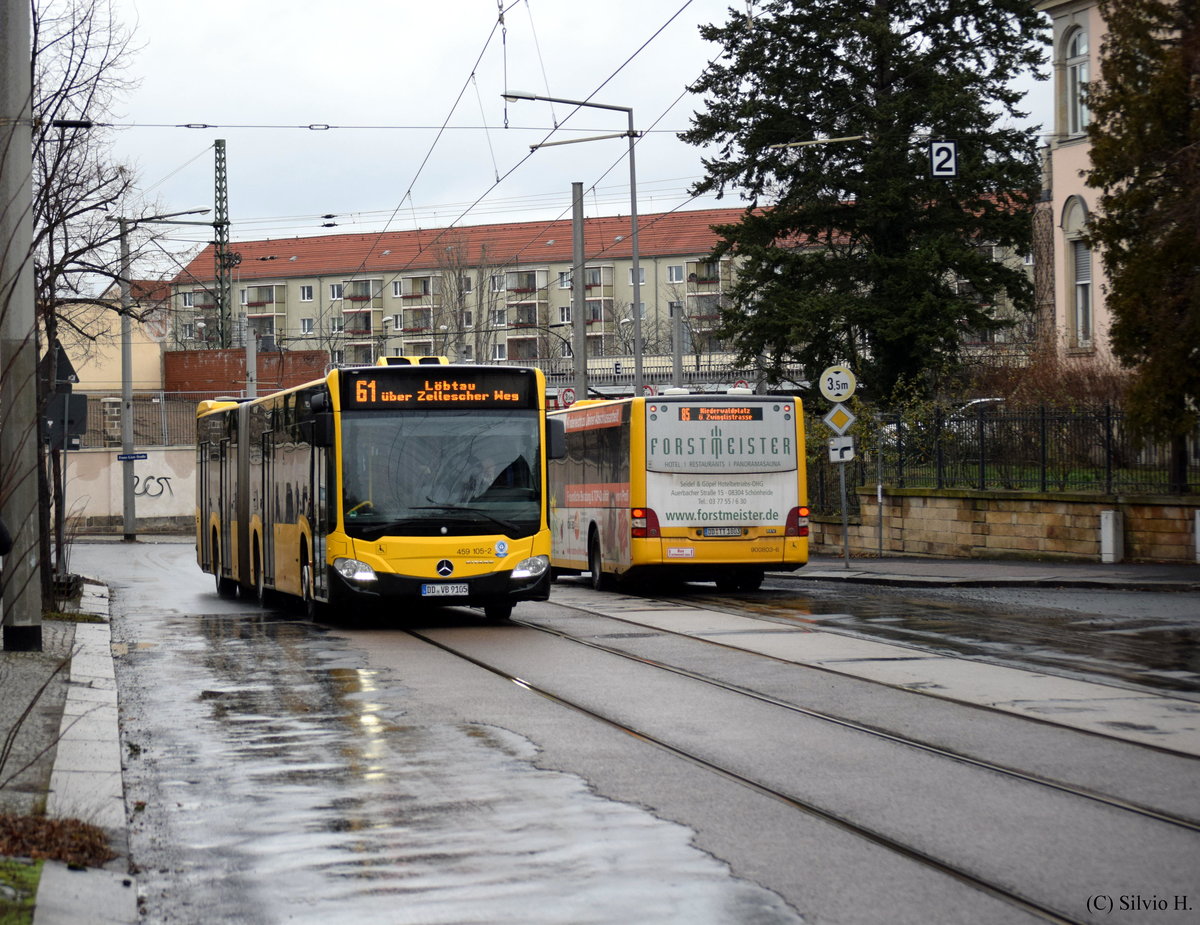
<point>226,587</point>
<point>727,583</point>
<point>497,611</point>
<point>600,581</point>
<point>313,609</point>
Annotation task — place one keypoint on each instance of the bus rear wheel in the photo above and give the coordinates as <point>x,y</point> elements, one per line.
<point>600,581</point>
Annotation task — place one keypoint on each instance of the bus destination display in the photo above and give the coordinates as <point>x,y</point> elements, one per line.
<point>709,413</point>
<point>438,389</point>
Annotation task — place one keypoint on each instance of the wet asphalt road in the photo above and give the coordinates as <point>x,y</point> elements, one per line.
<point>277,771</point>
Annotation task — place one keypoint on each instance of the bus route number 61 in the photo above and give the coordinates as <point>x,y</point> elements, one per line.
<point>837,383</point>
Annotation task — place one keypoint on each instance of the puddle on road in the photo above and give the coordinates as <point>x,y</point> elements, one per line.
<point>284,782</point>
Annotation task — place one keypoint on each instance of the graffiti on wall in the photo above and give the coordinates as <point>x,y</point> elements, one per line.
<point>152,486</point>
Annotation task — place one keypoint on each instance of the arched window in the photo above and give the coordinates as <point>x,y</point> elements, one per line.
<point>1079,273</point>
<point>1076,60</point>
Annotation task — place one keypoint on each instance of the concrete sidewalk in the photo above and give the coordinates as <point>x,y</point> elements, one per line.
<point>86,782</point>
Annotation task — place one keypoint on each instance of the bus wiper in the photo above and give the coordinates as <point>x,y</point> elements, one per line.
<point>509,527</point>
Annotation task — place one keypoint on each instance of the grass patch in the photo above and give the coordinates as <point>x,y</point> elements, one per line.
<point>18,890</point>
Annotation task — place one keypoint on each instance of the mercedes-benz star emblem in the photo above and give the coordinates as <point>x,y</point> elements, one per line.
<point>445,568</point>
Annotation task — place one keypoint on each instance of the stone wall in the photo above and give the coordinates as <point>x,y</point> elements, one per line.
<point>973,524</point>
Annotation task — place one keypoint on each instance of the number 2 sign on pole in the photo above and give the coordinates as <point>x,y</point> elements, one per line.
<point>943,159</point>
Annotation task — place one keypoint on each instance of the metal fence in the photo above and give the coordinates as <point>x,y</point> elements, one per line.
<point>1039,449</point>
<point>159,418</point>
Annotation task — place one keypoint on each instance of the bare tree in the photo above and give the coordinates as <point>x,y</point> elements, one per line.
<point>78,53</point>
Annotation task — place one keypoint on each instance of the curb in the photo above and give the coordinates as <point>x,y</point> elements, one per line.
<point>86,781</point>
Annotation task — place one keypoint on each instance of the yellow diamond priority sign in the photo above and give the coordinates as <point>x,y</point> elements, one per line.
<point>839,419</point>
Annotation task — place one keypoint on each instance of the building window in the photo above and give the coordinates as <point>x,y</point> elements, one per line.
<point>306,325</point>
<point>497,283</point>
<point>675,274</point>
<point>499,351</point>
<point>306,293</point>
<point>673,308</point>
<point>1082,275</point>
<point>564,280</point>
<point>641,275</point>
<point>338,357</point>
<point>465,286</point>
<point>564,349</point>
<point>594,276</point>
<point>397,289</point>
<point>189,300</point>
<point>335,291</point>
<point>242,297</point>
<point>499,317</point>
<point>187,330</point>
<point>337,325</point>
<point>468,319</point>
<point>1077,78</point>
<point>564,314</point>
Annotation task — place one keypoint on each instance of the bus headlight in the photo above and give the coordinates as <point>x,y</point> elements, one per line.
<point>533,567</point>
<point>354,570</point>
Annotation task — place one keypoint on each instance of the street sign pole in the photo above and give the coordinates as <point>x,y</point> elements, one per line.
<point>837,383</point>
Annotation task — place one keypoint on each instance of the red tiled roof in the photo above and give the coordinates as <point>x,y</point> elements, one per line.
<point>501,246</point>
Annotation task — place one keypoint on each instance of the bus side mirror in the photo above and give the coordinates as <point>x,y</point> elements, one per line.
<point>323,429</point>
<point>556,438</point>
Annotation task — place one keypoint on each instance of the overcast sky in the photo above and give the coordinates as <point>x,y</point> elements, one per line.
<point>389,73</point>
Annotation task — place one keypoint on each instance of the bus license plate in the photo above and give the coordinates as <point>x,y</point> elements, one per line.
<point>443,590</point>
<point>722,531</point>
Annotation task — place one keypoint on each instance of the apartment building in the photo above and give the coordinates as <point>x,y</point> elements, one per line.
<point>499,292</point>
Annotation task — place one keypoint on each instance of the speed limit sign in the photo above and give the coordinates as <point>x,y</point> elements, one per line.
<point>566,397</point>
<point>838,383</point>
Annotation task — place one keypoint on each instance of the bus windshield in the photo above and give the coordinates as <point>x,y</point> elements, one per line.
<point>451,473</point>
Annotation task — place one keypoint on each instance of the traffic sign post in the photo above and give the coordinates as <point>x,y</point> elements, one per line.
<point>837,383</point>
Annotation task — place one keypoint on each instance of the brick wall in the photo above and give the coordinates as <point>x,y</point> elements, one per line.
<point>224,371</point>
<point>965,524</point>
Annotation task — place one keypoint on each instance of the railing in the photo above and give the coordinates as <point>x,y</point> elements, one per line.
<point>1090,451</point>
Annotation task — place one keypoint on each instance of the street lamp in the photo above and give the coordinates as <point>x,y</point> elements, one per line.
<point>127,478</point>
<point>513,96</point>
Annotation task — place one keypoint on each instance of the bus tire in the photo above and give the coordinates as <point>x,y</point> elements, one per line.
<point>497,611</point>
<point>313,609</point>
<point>226,587</point>
<point>600,581</point>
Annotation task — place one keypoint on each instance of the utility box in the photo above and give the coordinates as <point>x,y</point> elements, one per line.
<point>1112,536</point>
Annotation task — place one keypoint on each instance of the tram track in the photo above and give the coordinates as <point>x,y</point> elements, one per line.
<point>871,830</point>
<point>989,887</point>
<point>926,747</point>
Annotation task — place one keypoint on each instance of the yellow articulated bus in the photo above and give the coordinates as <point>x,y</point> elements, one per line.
<point>396,483</point>
<point>681,486</point>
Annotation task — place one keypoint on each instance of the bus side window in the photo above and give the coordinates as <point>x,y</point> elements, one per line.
<point>556,438</point>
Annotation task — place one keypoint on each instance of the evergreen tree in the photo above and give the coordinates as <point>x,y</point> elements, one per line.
<point>1145,135</point>
<point>848,250</point>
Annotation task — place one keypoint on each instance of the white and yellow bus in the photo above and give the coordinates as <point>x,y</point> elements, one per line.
<point>400,482</point>
<point>687,487</point>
